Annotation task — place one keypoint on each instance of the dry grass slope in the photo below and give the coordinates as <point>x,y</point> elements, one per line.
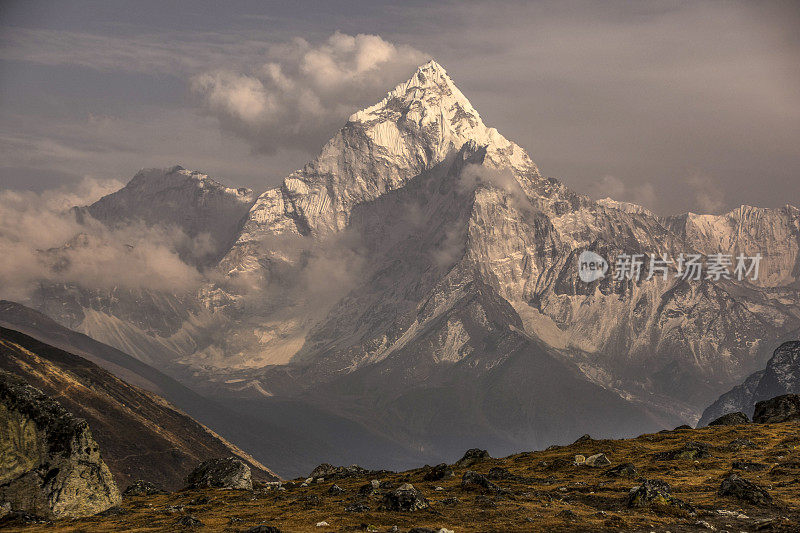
<point>542,491</point>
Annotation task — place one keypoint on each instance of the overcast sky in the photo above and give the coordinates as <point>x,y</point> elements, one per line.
<point>677,106</point>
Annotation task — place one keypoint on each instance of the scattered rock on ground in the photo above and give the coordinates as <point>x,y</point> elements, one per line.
<point>335,489</point>
<point>623,470</point>
<point>597,460</point>
<point>654,491</point>
<point>744,490</point>
<point>328,471</point>
<point>472,456</point>
<point>475,481</point>
<point>497,472</point>
<point>689,451</point>
<point>143,488</point>
<point>440,471</point>
<point>225,473</point>
<point>369,488</point>
<point>405,498</point>
<point>357,508</point>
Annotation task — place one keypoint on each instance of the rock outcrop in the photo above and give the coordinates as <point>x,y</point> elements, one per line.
<point>779,409</point>
<point>405,498</point>
<point>780,376</point>
<point>744,490</point>
<point>50,465</point>
<point>730,419</point>
<point>225,473</point>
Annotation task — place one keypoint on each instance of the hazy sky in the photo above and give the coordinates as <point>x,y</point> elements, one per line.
<point>678,106</point>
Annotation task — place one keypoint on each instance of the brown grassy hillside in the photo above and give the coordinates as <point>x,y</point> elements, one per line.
<point>538,491</point>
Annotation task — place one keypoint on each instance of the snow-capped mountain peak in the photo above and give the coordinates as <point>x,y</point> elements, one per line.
<point>430,104</point>
<point>379,149</point>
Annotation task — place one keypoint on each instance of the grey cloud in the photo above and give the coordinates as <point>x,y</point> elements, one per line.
<point>41,241</point>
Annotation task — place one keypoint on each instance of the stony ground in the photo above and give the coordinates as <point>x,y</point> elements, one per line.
<point>534,491</point>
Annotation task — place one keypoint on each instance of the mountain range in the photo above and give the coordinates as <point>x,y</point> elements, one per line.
<point>419,279</point>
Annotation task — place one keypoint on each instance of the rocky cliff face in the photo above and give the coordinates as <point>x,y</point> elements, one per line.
<point>748,230</point>
<point>50,465</point>
<point>781,376</point>
<point>191,201</point>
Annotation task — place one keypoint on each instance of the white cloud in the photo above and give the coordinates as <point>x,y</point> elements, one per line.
<point>302,92</point>
<point>41,241</point>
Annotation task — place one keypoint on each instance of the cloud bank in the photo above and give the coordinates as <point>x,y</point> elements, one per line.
<point>303,92</point>
<point>41,241</point>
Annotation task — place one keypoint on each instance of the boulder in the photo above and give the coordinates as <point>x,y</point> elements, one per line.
<point>263,528</point>
<point>225,473</point>
<point>779,409</point>
<point>440,471</point>
<point>499,473</point>
<point>142,488</point>
<point>472,456</point>
<point>623,470</point>
<point>691,450</point>
<point>50,466</point>
<point>405,498</point>
<point>730,419</point>
<point>744,490</point>
<point>652,491</point>
<point>369,488</point>
<point>475,481</point>
<point>597,460</point>
<point>335,490</point>
<point>328,471</point>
